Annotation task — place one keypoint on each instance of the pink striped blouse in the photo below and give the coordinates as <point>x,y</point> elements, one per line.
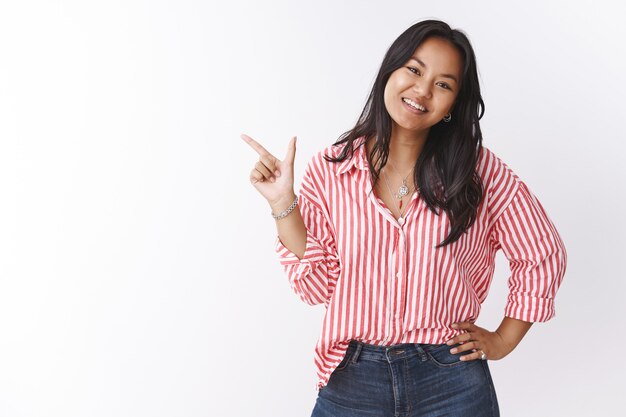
<point>385,283</point>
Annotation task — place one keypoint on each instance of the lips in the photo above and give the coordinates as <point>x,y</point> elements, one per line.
<point>413,109</point>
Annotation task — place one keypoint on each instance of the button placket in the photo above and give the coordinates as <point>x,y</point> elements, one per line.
<point>401,282</point>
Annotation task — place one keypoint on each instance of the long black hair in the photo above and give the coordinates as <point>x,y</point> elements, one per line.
<point>445,171</point>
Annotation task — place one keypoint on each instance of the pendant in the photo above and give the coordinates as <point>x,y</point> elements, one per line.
<point>403,190</point>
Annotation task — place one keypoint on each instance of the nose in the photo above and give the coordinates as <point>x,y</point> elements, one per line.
<point>422,88</point>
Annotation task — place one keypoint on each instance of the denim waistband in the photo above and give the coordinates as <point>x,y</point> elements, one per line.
<point>365,351</point>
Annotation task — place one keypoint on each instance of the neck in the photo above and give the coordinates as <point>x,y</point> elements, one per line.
<point>404,149</point>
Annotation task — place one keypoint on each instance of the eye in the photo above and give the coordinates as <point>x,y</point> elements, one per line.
<point>416,71</point>
<point>413,70</point>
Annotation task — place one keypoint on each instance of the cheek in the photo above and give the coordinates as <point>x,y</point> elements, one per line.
<point>393,86</point>
<point>388,99</point>
<point>442,101</point>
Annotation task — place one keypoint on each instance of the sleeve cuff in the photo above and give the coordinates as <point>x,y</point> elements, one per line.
<point>313,253</point>
<point>529,308</point>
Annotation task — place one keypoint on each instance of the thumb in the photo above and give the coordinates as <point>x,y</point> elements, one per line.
<point>291,151</point>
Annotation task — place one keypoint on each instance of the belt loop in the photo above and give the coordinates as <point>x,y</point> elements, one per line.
<point>356,353</point>
<point>421,351</point>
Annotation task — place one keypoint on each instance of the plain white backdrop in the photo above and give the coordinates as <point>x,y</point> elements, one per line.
<point>137,270</point>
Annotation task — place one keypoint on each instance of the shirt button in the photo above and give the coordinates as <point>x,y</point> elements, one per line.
<point>398,274</point>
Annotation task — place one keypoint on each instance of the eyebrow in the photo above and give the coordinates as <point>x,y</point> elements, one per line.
<point>452,77</point>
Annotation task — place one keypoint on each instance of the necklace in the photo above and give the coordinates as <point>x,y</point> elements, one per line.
<point>404,189</point>
<point>400,209</point>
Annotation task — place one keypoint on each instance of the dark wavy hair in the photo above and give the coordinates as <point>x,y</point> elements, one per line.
<point>445,171</point>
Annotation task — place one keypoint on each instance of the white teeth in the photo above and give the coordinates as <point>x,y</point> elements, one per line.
<point>414,104</point>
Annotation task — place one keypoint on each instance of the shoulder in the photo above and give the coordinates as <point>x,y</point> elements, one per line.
<point>493,171</point>
<point>319,174</point>
<point>492,168</point>
<point>500,182</point>
<point>319,167</point>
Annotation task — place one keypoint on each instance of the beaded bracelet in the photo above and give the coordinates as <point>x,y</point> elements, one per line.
<point>286,211</point>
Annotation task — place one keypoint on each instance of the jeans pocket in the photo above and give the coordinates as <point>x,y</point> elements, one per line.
<point>345,361</point>
<point>440,355</point>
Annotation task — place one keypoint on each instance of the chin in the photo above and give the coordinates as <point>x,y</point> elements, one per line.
<point>414,127</point>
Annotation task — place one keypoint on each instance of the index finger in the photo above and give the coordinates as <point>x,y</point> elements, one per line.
<point>255,145</point>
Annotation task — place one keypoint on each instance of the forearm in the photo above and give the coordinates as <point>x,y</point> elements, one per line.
<point>291,229</point>
<point>512,331</point>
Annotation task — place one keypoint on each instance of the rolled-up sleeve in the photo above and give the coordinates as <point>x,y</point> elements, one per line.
<point>536,255</point>
<point>312,278</point>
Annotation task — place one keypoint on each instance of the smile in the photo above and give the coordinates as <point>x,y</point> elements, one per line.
<point>414,107</point>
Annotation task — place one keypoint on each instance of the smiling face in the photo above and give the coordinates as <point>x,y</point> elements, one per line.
<point>431,79</point>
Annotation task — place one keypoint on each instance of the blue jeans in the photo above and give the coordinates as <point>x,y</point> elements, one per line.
<point>407,380</point>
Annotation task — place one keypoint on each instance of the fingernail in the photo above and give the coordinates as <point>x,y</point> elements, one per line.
<point>273,179</point>
<point>449,342</point>
<point>277,172</point>
<point>453,325</point>
<point>453,350</point>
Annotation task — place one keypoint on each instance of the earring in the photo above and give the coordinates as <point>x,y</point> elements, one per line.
<point>447,117</point>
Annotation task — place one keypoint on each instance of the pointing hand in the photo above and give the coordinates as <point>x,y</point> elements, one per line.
<point>272,177</point>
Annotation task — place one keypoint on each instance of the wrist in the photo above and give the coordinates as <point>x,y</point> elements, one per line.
<point>511,331</point>
<point>282,203</point>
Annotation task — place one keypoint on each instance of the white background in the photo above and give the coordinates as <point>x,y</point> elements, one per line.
<point>137,270</point>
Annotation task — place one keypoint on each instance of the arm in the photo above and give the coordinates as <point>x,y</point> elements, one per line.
<point>537,259</point>
<point>308,254</point>
<point>536,255</point>
<point>305,243</point>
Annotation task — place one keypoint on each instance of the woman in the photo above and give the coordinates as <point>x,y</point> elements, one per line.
<point>402,265</point>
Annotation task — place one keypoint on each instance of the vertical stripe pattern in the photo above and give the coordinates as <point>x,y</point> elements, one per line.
<point>384,283</point>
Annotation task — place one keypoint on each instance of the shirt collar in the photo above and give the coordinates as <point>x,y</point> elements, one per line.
<point>359,158</point>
